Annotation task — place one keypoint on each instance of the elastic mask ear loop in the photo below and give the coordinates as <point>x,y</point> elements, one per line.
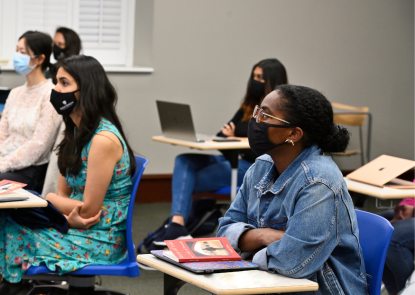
<point>32,67</point>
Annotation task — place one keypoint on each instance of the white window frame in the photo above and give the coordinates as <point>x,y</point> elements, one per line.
<point>9,34</point>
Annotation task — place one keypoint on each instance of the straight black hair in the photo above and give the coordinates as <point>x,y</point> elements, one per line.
<point>97,99</point>
<point>274,74</point>
<point>39,43</point>
<point>73,43</point>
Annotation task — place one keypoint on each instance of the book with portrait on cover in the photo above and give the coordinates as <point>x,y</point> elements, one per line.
<point>7,186</point>
<point>201,250</point>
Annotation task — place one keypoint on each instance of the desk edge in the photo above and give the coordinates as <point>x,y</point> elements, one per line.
<point>24,205</point>
<point>373,194</point>
<point>194,145</point>
<point>190,280</point>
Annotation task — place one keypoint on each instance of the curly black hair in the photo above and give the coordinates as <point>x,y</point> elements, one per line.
<point>312,112</point>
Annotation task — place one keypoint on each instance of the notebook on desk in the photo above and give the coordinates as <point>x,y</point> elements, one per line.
<point>382,172</point>
<point>208,267</point>
<point>14,196</point>
<point>9,191</point>
<point>176,122</point>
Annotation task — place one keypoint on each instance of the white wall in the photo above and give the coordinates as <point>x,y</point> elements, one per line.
<point>356,52</point>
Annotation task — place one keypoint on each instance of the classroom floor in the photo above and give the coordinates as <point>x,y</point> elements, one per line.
<point>148,217</point>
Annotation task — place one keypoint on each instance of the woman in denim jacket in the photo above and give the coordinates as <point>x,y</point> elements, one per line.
<point>293,211</point>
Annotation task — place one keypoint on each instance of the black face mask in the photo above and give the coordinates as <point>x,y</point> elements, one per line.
<point>257,88</point>
<point>58,53</point>
<point>64,103</point>
<point>258,137</point>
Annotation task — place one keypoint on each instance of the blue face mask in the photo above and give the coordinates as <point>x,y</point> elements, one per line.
<point>21,64</point>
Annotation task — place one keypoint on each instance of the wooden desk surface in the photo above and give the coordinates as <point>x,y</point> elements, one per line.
<point>378,192</point>
<point>207,145</point>
<point>32,202</point>
<point>237,282</point>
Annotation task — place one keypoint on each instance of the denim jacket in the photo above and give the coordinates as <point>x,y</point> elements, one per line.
<point>310,202</point>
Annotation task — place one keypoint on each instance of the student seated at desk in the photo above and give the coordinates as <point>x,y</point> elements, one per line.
<point>29,123</point>
<point>399,263</point>
<point>293,208</point>
<point>96,164</point>
<point>194,173</point>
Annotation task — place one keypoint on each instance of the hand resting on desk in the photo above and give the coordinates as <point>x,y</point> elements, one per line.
<point>254,239</point>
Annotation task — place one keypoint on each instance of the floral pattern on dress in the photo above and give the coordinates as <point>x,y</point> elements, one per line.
<point>103,244</point>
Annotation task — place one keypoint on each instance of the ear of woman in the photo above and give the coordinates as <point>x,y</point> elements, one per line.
<point>39,61</point>
<point>295,136</point>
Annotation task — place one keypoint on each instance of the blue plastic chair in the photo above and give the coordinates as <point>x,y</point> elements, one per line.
<point>225,190</point>
<point>84,278</point>
<point>375,234</point>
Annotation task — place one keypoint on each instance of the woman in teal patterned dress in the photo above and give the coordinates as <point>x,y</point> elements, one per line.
<point>96,164</point>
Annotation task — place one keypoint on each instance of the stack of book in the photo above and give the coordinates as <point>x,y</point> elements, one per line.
<point>204,255</point>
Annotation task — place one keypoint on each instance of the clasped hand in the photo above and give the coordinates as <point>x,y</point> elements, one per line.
<point>228,129</point>
<point>75,220</point>
<point>257,238</point>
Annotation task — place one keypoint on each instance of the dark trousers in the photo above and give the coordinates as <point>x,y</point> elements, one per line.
<point>33,176</point>
<point>399,263</point>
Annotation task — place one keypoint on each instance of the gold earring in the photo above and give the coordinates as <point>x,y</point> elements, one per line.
<point>290,140</point>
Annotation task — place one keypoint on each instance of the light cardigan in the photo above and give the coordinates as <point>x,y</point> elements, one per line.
<point>28,127</point>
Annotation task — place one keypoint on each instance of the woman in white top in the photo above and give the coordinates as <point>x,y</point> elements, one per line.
<point>29,122</point>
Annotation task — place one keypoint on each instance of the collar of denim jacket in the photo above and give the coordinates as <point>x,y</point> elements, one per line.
<point>285,177</point>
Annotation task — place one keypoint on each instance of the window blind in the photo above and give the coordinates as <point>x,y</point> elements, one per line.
<point>101,24</point>
<point>43,15</point>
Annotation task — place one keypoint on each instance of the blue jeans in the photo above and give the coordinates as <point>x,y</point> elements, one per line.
<point>196,173</point>
<point>399,263</point>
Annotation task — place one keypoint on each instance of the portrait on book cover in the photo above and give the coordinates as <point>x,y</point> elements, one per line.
<point>8,186</point>
<point>208,248</point>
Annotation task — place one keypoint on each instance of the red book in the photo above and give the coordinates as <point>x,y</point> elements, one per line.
<point>201,250</point>
<point>7,186</point>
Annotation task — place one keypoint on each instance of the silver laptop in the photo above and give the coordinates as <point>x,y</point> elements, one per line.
<point>176,122</point>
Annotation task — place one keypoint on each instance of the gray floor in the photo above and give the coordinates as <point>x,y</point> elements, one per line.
<point>148,217</point>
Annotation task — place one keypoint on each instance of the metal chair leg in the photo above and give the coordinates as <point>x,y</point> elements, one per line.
<point>77,285</point>
<point>172,285</point>
<point>362,153</point>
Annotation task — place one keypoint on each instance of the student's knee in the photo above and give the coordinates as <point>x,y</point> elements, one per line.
<point>404,230</point>
<point>182,158</point>
<point>186,159</point>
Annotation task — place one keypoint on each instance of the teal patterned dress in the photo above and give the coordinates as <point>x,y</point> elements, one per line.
<point>104,243</point>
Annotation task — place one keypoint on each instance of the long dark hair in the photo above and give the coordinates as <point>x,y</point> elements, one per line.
<point>97,99</point>
<point>312,112</point>
<point>39,43</point>
<point>274,74</point>
<point>73,43</point>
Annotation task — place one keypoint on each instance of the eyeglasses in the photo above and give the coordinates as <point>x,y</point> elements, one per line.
<point>259,115</point>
